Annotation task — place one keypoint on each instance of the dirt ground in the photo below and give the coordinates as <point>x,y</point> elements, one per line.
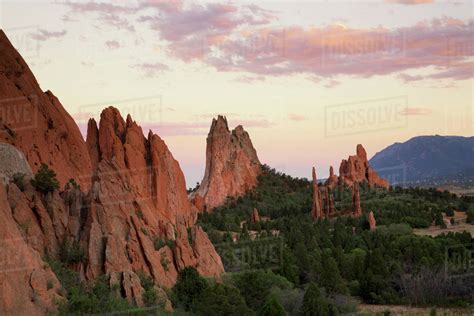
<point>459,226</point>
<point>377,310</point>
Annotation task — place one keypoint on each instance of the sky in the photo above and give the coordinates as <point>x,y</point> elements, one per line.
<point>308,80</point>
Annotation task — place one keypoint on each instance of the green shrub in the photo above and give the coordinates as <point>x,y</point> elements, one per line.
<point>74,184</point>
<point>45,180</point>
<point>470,216</point>
<point>19,180</point>
<point>164,261</point>
<point>160,243</point>
<point>71,252</point>
<point>449,212</point>
<point>150,295</point>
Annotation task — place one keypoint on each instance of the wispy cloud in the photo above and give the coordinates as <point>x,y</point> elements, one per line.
<point>410,2</point>
<point>250,79</point>
<point>151,70</point>
<point>242,38</point>
<point>336,50</point>
<point>297,117</point>
<point>409,78</point>
<point>112,44</point>
<point>416,111</point>
<point>44,35</point>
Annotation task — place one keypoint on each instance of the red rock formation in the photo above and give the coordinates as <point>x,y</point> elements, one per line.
<point>316,211</point>
<point>356,169</point>
<point>356,208</point>
<point>30,116</point>
<point>328,202</point>
<point>24,278</point>
<point>232,166</point>
<point>138,180</point>
<point>372,222</point>
<point>137,196</point>
<point>255,216</point>
<point>333,179</point>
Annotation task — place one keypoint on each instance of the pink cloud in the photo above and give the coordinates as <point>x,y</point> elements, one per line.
<point>409,78</point>
<point>445,44</point>
<point>416,111</point>
<point>151,69</point>
<point>240,38</point>
<point>92,6</point>
<point>44,35</point>
<point>297,117</point>
<point>250,79</point>
<point>410,2</point>
<point>112,44</point>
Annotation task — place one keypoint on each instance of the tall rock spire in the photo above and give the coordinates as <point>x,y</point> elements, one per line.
<point>332,179</point>
<point>372,222</point>
<point>356,208</point>
<point>329,208</point>
<point>316,211</point>
<point>232,166</point>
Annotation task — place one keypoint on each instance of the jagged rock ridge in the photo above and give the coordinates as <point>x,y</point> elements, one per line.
<point>356,169</point>
<point>232,166</point>
<point>30,116</point>
<point>132,195</point>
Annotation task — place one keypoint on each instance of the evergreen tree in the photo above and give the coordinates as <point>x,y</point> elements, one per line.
<point>221,299</point>
<point>272,308</point>
<point>313,302</point>
<point>189,288</point>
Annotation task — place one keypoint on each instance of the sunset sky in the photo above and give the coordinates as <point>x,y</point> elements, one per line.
<point>308,80</point>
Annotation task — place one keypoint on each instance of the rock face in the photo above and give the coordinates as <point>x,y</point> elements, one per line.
<point>232,166</point>
<point>372,222</point>
<point>356,169</point>
<point>132,201</point>
<point>356,208</point>
<point>13,161</point>
<point>316,211</point>
<point>30,116</point>
<point>328,202</point>
<point>255,216</point>
<point>142,185</point>
<point>27,285</point>
<point>332,179</point>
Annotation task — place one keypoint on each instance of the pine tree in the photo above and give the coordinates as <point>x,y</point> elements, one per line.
<point>272,308</point>
<point>313,303</point>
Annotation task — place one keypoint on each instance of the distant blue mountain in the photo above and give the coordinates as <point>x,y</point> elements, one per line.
<point>425,159</point>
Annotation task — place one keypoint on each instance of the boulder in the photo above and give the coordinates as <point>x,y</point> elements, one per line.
<point>13,161</point>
